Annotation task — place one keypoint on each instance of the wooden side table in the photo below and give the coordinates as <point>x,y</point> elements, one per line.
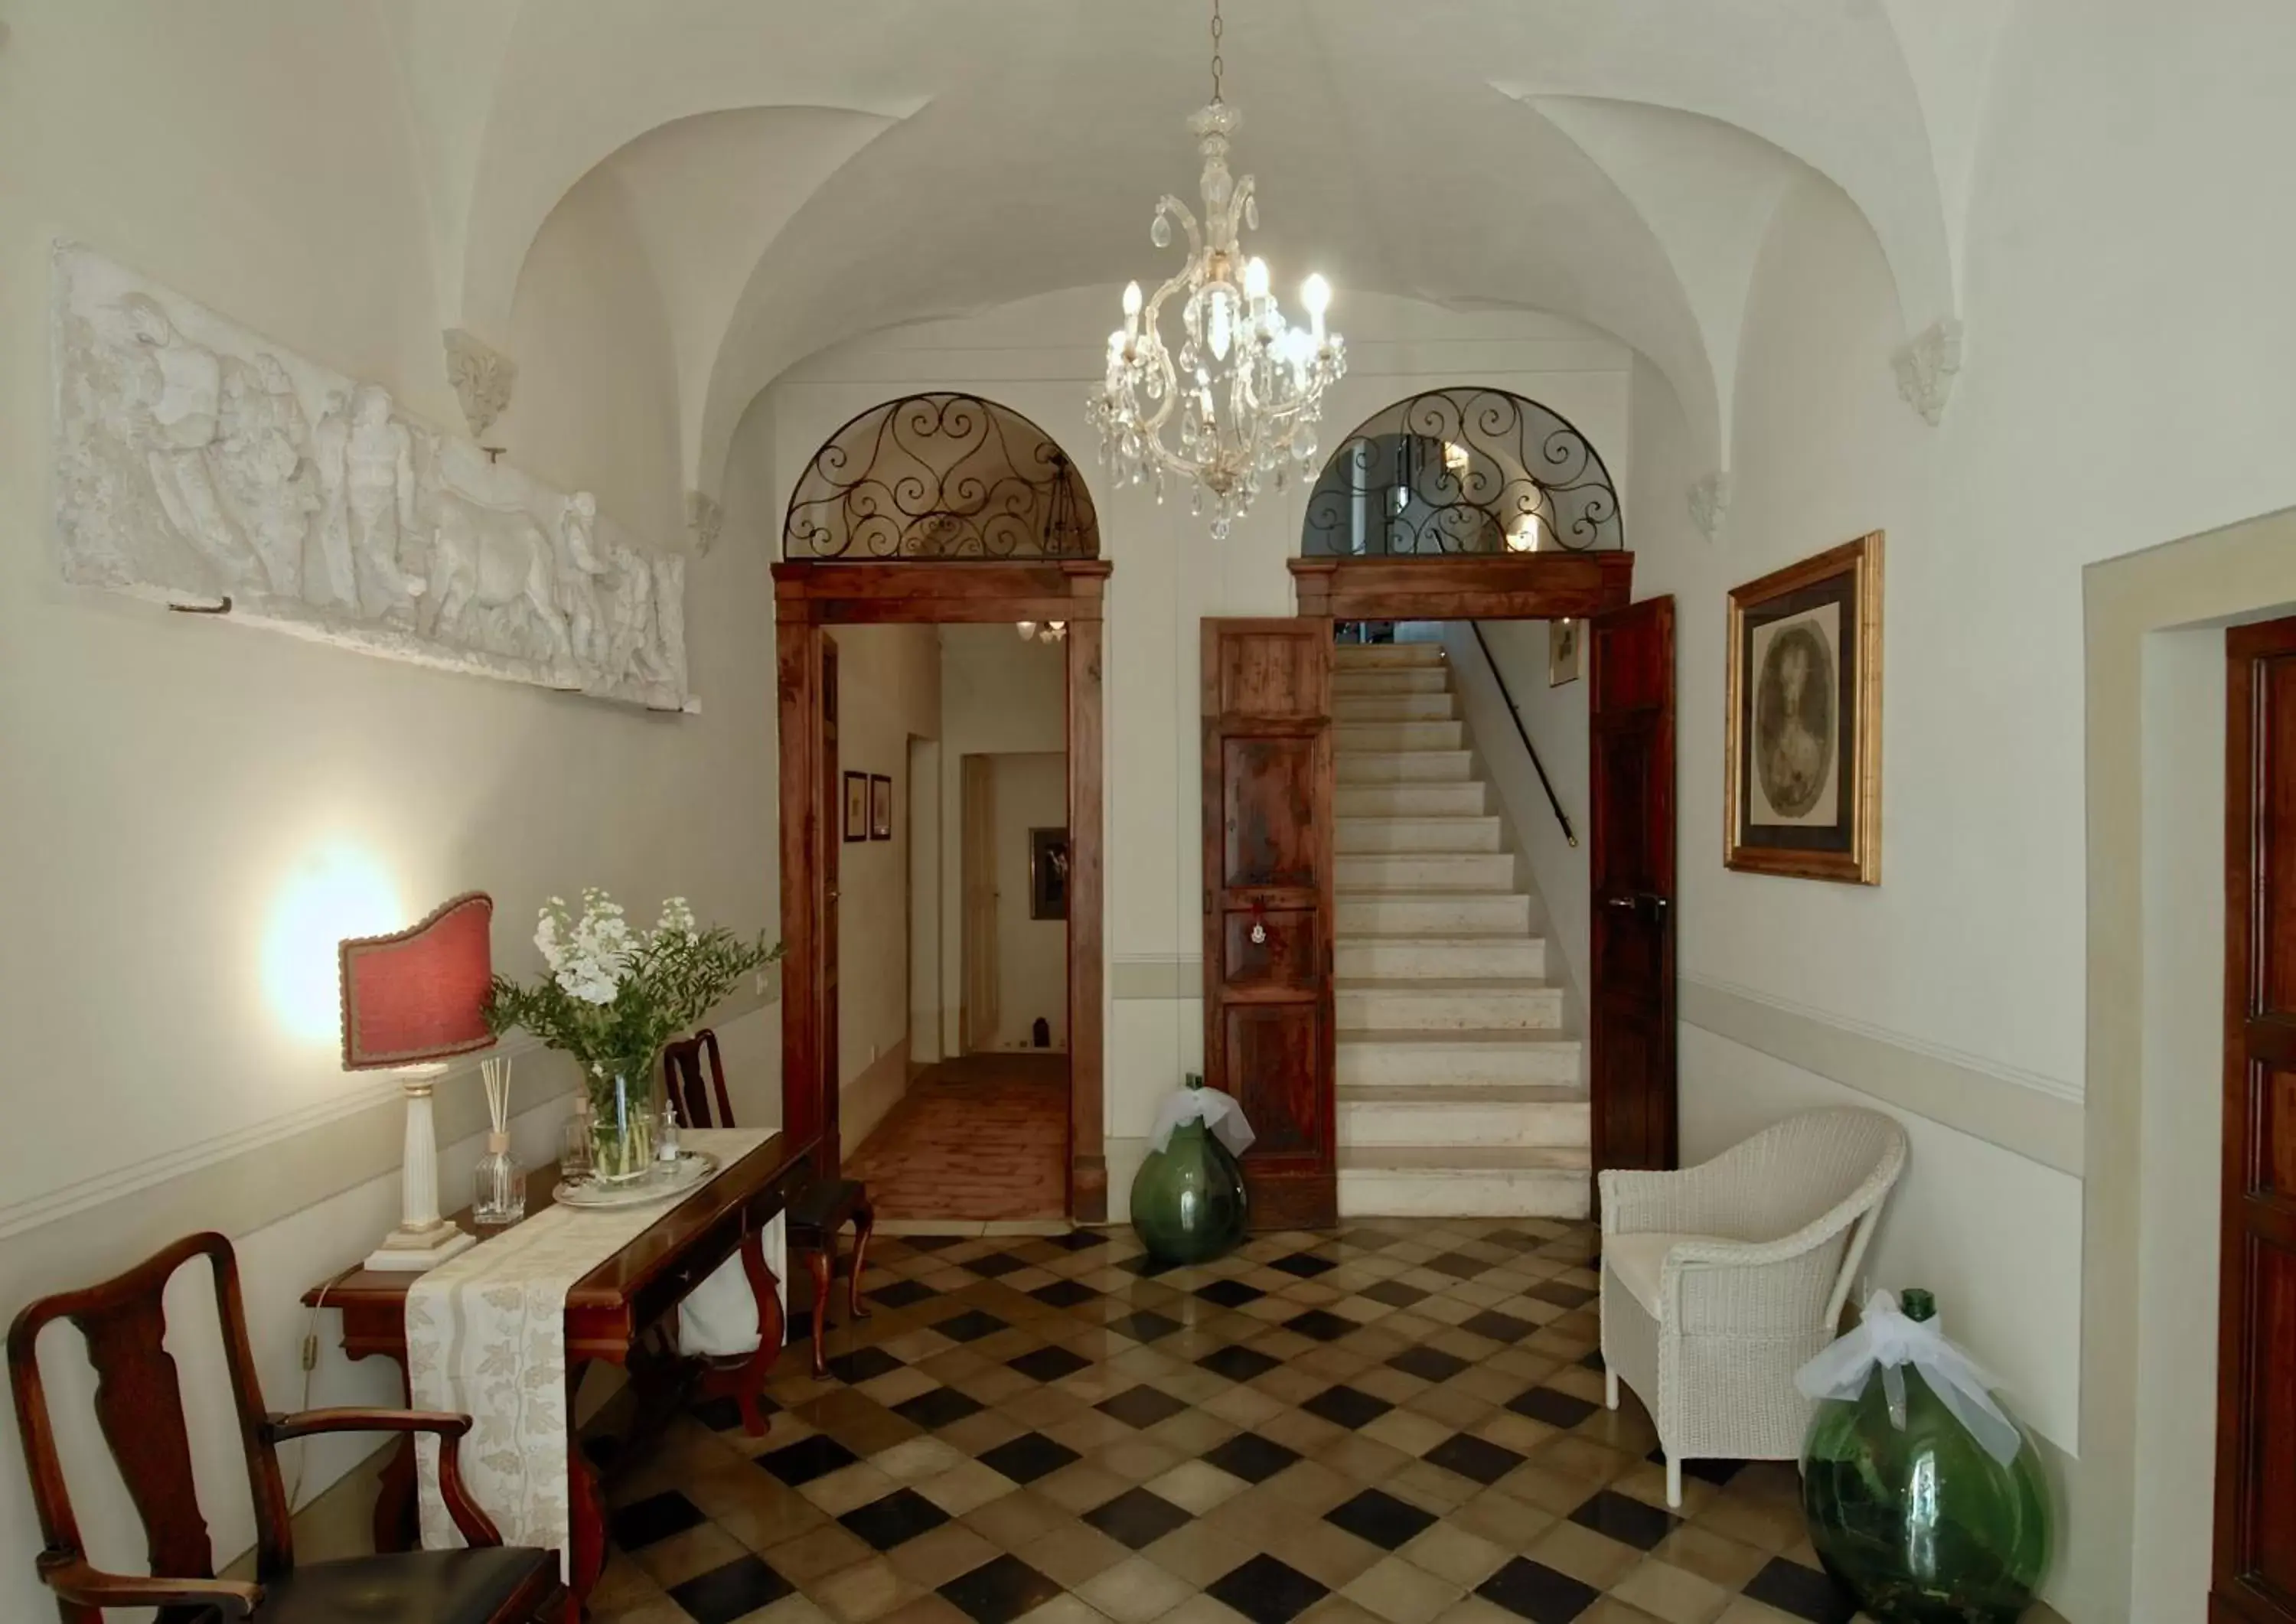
<point>607,1311</point>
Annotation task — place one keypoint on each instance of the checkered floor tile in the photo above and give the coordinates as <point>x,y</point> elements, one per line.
<point>1390,1424</point>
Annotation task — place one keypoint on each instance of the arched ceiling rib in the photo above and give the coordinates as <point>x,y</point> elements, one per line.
<point>872,163</point>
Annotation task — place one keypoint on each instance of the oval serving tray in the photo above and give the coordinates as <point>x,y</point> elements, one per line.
<point>690,1169</point>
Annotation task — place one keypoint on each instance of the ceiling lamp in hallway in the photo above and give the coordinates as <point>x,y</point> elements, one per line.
<point>1246,387</point>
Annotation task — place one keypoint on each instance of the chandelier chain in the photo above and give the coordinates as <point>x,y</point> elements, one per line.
<point>1219,63</point>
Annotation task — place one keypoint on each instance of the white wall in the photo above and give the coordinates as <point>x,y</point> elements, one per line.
<point>1032,966</point>
<point>923,804</point>
<point>888,694</point>
<point>171,780</point>
<point>999,696</point>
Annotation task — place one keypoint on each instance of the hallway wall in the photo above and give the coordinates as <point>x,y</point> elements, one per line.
<point>1032,965</point>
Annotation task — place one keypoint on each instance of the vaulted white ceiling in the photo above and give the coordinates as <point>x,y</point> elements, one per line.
<point>803,173</point>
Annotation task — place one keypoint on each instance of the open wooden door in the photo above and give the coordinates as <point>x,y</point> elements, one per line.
<point>1631,1032</point>
<point>2254,1580</point>
<point>1268,909</point>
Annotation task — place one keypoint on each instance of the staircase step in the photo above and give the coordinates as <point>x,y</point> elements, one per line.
<point>1438,834</point>
<point>1403,767</point>
<point>1437,707</point>
<point>1376,737</point>
<point>1464,799</point>
<point>1431,913</point>
<point>1492,1004</point>
<point>1348,682</point>
<point>1529,1115</point>
<point>1357,656</point>
<point>1396,958</point>
<point>1445,1060</point>
<point>1384,1181</point>
<point>1448,871</point>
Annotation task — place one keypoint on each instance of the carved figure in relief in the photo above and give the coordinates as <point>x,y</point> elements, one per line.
<point>180,386</point>
<point>581,567</point>
<point>634,651</point>
<point>330,577</point>
<point>379,490</point>
<point>266,477</point>
<point>493,557</point>
<point>669,615</point>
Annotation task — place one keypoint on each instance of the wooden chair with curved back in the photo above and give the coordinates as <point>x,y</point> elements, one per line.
<point>815,1214</point>
<point>139,1405</point>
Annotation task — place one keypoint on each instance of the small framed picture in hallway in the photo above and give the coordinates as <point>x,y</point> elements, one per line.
<point>1565,652</point>
<point>1049,873</point>
<point>1803,792</point>
<point>856,807</point>
<point>880,806</point>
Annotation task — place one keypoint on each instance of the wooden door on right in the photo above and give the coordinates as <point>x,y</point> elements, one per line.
<point>2254,1577</point>
<point>1631,1029</point>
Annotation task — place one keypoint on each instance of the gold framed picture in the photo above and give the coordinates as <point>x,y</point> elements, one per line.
<point>856,807</point>
<point>1802,786</point>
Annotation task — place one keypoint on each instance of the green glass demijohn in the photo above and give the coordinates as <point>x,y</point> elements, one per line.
<point>1918,1522</point>
<point>1188,1203</point>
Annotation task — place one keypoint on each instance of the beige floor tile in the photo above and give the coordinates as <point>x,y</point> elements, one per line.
<point>1338,1609</point>
<point>1201,1553</point>
<point>1207,1610</point>
<point>918,1459</point>
<point>1711,1556</point>
<point>815,1556</point>
<point>1673,1595</point>
<point>1136,1591</point>
<point>671,1563</point>
<point>1137,1459</point>
<point>1324,1553</point>
<point>1080,1486</point>
<point>1454,1554</point>
<point>961,1489</point>
<point>863,1591</point>
<point>1196,1486</point>
<point>1507,1522</point>
<point>922,1609</point>
<point>1408,1432</point>
<point>1401,1592</point>
<point>1064,1610</point>
<point>1070,1556</point>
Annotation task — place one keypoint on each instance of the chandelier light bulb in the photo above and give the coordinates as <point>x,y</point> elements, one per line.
<point>1027,628</point>
<point>1255,278</point>
<point>1315,295</point>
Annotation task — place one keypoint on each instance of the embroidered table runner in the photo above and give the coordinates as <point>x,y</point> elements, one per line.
<point>486,1337</point>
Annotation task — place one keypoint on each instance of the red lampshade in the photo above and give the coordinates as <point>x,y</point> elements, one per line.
<point>418,993</point>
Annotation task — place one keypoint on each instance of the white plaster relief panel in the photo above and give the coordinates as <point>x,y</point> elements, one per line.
<point>196,461</point>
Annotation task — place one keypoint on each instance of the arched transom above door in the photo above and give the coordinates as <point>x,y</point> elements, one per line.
<point>944,477</point>
<point>1461,470</point>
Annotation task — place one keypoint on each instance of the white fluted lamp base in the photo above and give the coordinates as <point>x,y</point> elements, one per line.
<point>422,1239</point>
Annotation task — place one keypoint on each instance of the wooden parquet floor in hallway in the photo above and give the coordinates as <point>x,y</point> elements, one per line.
<point>981,1138</point>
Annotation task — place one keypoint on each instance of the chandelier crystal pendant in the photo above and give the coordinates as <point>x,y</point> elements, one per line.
<point>1243,394</point>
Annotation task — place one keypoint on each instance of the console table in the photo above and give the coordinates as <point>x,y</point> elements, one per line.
<point>607,1312</point>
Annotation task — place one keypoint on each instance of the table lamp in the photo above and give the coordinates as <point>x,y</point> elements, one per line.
<point>410,1000</point>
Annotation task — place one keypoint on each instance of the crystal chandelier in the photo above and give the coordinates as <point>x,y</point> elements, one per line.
<point>1247,388</point>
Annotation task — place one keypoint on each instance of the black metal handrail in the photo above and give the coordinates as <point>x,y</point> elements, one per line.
<point>1523,733</point>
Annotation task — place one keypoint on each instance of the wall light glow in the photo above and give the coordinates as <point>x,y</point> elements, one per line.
<point>337,891</point>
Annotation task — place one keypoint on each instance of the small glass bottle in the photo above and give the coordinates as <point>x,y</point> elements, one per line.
<point>574,1151</point>
<point>665,1135</point>
<point>501,1195</point>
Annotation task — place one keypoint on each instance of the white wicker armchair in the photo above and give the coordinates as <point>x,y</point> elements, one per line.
<point>1720,1281</point>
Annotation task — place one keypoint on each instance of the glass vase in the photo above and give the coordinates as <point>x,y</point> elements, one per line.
<point>622,1125</point>
<point>1188,1201</point>
<point>499,1196</point>
<point>1918,1522</point>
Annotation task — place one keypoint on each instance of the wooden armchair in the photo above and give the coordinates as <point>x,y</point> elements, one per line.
<point>139,1405</point>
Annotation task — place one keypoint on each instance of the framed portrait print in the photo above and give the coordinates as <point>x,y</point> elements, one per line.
<point>1566,651</point>
<point>880,806</point>
<point>1802,794</point>
<point>856,807</point>
<point>1049,873</point>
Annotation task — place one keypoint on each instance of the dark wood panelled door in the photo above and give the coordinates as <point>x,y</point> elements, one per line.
<point>2255,1568</point>
<point>831,828</point>
<point>1631,1036</point>
<point>1267,905</point>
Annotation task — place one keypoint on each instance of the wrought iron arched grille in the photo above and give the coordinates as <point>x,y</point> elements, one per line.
<point>1461,470</point>
<point>939,476</point>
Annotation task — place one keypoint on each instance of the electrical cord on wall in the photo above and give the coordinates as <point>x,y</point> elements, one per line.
<point>311,1363</point>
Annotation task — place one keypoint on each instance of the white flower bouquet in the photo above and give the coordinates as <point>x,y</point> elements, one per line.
<point>613,996</point>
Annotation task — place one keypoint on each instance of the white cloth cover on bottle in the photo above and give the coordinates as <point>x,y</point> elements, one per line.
<point>1886,1338</point>
<point>1219,1113</point>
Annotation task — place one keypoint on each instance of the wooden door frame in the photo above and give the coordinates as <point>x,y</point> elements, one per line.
<point>808,598</point>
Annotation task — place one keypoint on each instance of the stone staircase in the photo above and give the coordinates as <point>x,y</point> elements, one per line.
<point>1459,1092</point>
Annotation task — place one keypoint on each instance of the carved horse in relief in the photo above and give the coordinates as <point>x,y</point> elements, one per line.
<point>487,551</point>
